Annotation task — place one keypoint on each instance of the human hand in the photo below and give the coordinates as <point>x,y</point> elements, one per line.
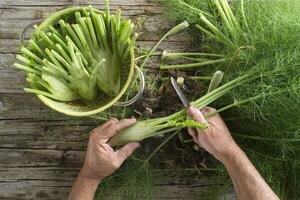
<point>101,160</point>
<point>216,139</point>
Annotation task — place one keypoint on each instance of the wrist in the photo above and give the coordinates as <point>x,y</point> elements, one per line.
<point>86,175</point>
<point>84,187</point>
<point>228,156</point>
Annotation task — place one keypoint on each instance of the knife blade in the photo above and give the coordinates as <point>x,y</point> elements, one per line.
<point>179,92</point>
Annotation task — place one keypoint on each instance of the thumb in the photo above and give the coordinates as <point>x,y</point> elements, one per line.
<point>127,150</point>
<point>196,115</point>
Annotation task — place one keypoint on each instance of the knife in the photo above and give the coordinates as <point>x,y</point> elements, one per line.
<point>184,101</point>
<point>179,92</point>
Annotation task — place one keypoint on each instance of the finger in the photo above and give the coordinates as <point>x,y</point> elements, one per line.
<point>212,119</point>
<point>192,132</point>
<point>126,151</point>
<point>125,123</point>
<point>196,115</point>
<point>113,128</point>
<point>103,126</point>
<point>210,113</point>
<point>207,110</point>
<point>105,147</point>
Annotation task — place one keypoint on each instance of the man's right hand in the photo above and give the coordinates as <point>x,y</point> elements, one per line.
<point>216,139</point>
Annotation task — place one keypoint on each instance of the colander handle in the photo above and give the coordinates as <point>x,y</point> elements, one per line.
<point>140,92</point>
<point>22,35</point>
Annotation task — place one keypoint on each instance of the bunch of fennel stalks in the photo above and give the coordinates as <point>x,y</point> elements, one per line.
<point>256,44</point>
<point>80,57</point>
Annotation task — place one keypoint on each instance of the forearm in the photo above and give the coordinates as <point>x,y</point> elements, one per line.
<point>217,140</point>
<point>84,188</point>
<point>248,183</point>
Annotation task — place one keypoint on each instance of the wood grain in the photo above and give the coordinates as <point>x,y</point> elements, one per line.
<point>32,3</point>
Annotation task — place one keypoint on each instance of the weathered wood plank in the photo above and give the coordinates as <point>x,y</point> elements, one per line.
<point>59,190</point>
<point>9,46</point>
<point>40,12</point>
<point>40,157</point>
<point>142,3</point>
<point>66,174</point>
<point>37,191</point>
<point>148,22</point>
<point>58,135</point>
<point>25,106</point>
<point>14,106</point>
<point>46,179</point>
<point>11,79</point>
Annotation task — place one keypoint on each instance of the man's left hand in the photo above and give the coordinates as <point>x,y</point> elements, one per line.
<point>101,160</point>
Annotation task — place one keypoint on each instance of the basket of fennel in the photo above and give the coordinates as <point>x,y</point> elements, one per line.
<point>80,61</point>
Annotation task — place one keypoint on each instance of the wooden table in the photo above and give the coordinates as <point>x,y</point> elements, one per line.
<point>41,150</point>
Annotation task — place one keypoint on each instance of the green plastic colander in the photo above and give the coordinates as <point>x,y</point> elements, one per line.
<point>103,102</point>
